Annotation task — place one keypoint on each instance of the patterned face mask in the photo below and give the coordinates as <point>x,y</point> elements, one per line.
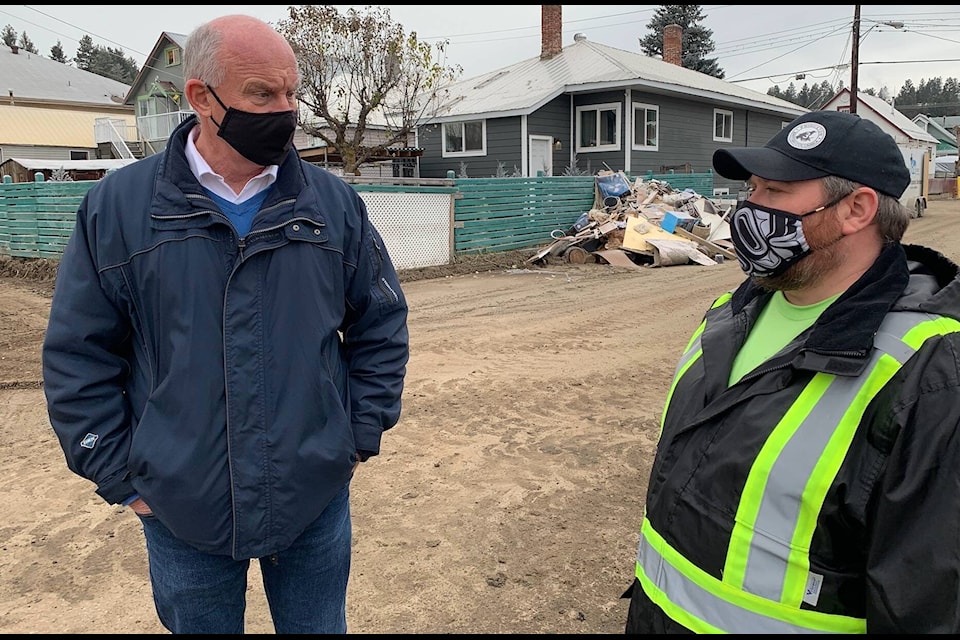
<point>769,241</point>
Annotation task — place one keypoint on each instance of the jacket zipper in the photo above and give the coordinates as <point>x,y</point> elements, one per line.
<point>381,281</point>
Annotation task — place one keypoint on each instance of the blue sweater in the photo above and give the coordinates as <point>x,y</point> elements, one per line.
<point>241,215</point>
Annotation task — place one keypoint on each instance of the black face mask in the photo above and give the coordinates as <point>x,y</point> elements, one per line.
<point>261,138</point>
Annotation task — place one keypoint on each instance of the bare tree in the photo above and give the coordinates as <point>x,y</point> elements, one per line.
<point>361,72</point>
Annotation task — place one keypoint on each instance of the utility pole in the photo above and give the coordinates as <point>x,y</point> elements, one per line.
<point>854,61</point>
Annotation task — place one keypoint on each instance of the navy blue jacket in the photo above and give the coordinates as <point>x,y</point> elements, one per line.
<point>229,382</point>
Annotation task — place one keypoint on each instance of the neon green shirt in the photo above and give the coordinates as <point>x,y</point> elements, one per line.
<point>778,324</point>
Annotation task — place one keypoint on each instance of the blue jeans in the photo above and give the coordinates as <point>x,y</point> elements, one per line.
<point>305,584</point>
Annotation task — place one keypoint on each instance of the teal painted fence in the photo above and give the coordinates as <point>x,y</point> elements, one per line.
<point>500,214</point>
<point>489,214</point>
<point>37,218</point>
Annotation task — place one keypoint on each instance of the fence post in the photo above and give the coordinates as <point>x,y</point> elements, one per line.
<point>451,174</point>
<point>38,176</point>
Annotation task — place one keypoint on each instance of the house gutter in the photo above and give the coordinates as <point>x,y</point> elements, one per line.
<point>671,89</point>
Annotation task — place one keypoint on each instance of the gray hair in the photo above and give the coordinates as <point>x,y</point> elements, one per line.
<point>201,56</point>
<point>892,217</point>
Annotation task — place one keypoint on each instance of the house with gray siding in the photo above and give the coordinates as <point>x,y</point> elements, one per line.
<point>157,93</point>
<point>946,140</point>
<point>588,107</point>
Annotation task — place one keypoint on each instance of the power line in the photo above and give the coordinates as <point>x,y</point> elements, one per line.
<point>770,41</point>
<point>794,73</point>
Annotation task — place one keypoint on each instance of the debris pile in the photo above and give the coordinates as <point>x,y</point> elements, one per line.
<point>643,224</point>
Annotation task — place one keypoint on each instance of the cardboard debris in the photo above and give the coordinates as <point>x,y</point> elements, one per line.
<point>626,223</point>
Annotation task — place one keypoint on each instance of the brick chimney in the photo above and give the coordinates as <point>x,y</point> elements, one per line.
<point>673,44</point>
<point>551,31</point>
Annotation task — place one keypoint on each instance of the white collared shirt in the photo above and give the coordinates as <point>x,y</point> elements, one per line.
<point>215,183</point>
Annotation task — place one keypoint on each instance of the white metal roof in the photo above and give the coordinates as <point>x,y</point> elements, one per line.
<point>31,76</point>
<point>584,66</point>
<point>902,122</point>
<point>78,165</point>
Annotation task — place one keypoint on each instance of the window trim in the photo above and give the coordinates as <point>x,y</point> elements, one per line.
<point>607,106</point>
<point>723,112</point>
<point>637,106</point>
<point>176,55</point>
<point>462,154</point>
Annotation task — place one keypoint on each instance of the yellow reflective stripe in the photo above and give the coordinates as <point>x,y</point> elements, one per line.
<point>735,564</point>
<point>722,299</point>
<point>696,334</point>
<point>677,614</point>
<point>812,620</point>
<point>823,476</point>
<point>919,334</point>
<point>673,385</point>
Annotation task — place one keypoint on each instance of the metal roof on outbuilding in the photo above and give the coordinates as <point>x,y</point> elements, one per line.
<point>30,76</point>
<point>77,165</point>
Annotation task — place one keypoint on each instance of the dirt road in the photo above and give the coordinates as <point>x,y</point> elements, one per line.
<point>506,500</point>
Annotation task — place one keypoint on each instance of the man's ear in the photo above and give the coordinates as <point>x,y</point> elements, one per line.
<point>199,97</point>
<point>861,210</point>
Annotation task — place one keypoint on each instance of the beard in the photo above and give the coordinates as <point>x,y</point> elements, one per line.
<point>825,256</point>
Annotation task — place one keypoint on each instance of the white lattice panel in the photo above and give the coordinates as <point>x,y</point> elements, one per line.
<point>415,226</point>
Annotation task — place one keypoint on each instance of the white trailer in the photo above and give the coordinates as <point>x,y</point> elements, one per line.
<point>917,159</point>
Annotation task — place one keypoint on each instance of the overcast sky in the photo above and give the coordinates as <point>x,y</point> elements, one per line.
<point>756,46</point>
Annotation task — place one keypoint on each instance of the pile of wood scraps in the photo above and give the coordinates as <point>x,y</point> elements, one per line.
<point>644,224</point>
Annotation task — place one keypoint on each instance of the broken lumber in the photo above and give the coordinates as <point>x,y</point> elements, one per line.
<point>703,242</point>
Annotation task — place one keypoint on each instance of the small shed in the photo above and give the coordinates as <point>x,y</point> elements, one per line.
<point>25,169</point>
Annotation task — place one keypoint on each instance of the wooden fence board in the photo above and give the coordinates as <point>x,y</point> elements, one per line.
<point>490,214</point>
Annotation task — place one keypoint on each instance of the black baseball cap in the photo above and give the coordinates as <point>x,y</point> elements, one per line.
<point>818,144</point>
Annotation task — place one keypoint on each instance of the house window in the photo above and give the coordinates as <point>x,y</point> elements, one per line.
<point>79,155</point>
<point>722,125</point>
<point>465,138</point>
<point>598,127</point>
<point>172,56</point>
<point>843,108</point>
<point>646,126</point>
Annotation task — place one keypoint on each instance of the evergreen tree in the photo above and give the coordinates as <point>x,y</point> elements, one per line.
<point>56,53</point>
<point>113,63</point>
<point>27,44</point>
<point>108,62</point>
<point>84,53</point>
<point>9,36</point>
<point>696,40</point>
<point>934,97</point>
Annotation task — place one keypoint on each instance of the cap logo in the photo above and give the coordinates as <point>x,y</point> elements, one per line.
<point>806,135</point>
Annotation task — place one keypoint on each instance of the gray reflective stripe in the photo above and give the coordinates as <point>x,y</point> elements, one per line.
<point>688,592</point>
<point>701,603</point>
<point>690,354</point>
<point>782,502</point>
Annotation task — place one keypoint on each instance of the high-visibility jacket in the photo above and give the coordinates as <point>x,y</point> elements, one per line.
<point>820,493</point>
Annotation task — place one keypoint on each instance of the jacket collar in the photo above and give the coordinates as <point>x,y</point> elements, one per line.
<point>178,192</point>
<point>850,323</point>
